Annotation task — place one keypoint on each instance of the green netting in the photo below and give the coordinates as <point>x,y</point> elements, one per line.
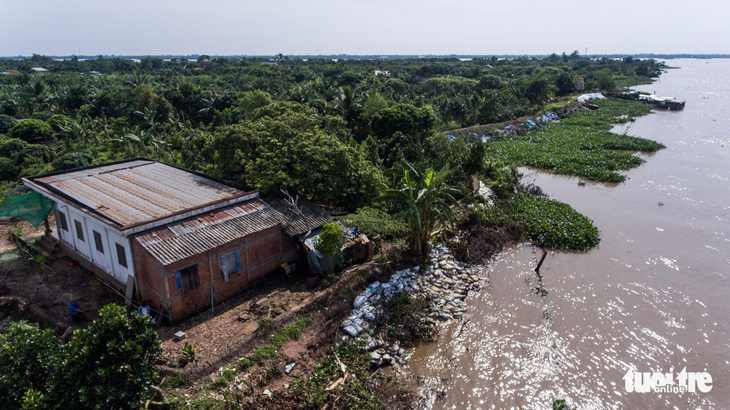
<point>33,207</point>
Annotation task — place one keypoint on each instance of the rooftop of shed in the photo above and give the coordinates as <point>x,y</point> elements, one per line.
<point>139,194</point>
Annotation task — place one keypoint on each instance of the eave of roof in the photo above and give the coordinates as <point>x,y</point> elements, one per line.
<point>180,240</point>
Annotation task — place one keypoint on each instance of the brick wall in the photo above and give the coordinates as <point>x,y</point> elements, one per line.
<point>260,253</point>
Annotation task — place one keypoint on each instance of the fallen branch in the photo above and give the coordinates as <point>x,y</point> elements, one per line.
<point>337,383</point>
<point>344,374</point>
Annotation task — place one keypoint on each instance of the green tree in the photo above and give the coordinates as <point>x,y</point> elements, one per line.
<point>6,123</point>
<point>290,146</point>
<point>72,160</point>
<point>27,356</point>
<point>408,119</point>
<point>109,365</point>
<point>331,240</point>
<point>31,130</point>
<point>424,199</point>
<point>605,79</point>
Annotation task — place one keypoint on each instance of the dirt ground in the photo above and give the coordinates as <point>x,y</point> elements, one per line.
<point>216,335</point>
<point>230,332</point>
<point>31,297</point>
<point>29,231</point>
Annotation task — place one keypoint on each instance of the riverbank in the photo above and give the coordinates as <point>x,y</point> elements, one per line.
<point>651,298</point>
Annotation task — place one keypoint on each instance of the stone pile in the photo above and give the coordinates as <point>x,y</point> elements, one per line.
<point>445,283</point>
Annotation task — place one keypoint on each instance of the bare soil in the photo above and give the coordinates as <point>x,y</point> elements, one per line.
<point>29,231</point>
<point>231,332</point>
<point>29,296</point>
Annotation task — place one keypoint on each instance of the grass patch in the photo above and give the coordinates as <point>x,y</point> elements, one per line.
<point>277,340</point>
<point>310,393</point>
<point>219,383</point>
<point>244,364</point>
<point>580,145</point>
<point>555,223</point>
<point>265,323</point>
<point>174,381</point>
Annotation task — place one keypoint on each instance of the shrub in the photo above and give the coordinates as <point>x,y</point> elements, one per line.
<point>174,381</point>
<point>8,169</point>
<point>42,115</point>
<point>108,365</point>
<point>12,148</point>
<point>32,166</point>
<point>374,221</point>
<point>31,130</point>
<point>6,123</point>
<point>57,122</point>
<point>72,160</point>
<point>331,239</point>
<point>188,351</point>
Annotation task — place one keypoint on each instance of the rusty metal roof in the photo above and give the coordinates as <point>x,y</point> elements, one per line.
<point>192,236</point>
<point>290,219</point>
<point>139,191</point>
<point>180,240</point>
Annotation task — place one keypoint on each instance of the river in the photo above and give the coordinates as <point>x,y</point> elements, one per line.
<point>655,296</point>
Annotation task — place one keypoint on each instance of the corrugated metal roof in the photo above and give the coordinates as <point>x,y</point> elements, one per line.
<point>180,240</point>
<point>292,222</point>
<point>139,191</point>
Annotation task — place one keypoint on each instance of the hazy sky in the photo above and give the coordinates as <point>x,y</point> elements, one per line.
<point>225,27</point>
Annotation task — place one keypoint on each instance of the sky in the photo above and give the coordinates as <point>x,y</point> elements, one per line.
<point>366,27</point>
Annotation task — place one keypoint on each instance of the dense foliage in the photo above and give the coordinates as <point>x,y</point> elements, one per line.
<point>327,129</point>
<point>580,145</point>
<point>553,223</point>
<point>109,365</point>
<point>374,221</point>
<point>331,239</point>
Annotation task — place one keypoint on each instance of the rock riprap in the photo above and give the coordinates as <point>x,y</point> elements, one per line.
<point>445,283</point>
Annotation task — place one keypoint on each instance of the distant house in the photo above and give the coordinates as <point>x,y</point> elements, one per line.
<point>184,240</point>
<point>384,73</point>
<point>8,72</point>
<point>92,73</point>
<point>40,70</point>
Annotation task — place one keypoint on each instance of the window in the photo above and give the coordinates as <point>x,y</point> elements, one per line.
<point>62,221</point>
<point>229,262</point>
<point>97,242</point>
<point>121,255</point>
<point>188,279</point>
<point>79,230</point>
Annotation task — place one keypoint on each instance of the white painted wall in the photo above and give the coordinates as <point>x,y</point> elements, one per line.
<point>108,260</point>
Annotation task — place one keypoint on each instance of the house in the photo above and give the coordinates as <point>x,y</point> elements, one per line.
<point>182,240</point>
<point>7,72</point>
<point>39,70</point>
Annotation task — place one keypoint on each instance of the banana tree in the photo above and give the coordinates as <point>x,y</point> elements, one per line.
<point>424,199</point>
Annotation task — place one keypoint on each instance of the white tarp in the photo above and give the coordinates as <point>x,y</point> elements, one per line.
<point>593,96</point>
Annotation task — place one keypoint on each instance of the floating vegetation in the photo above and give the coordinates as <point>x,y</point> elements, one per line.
<point>580,145</point>
<point>555,224</point>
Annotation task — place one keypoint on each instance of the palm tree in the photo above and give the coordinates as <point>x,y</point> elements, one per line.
<point>349,101</point>
<point>425,199</point>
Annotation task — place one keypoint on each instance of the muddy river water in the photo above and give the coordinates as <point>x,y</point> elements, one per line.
<point>654,297</point>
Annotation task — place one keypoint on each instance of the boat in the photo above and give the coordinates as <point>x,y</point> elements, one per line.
<point>667,103</point>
